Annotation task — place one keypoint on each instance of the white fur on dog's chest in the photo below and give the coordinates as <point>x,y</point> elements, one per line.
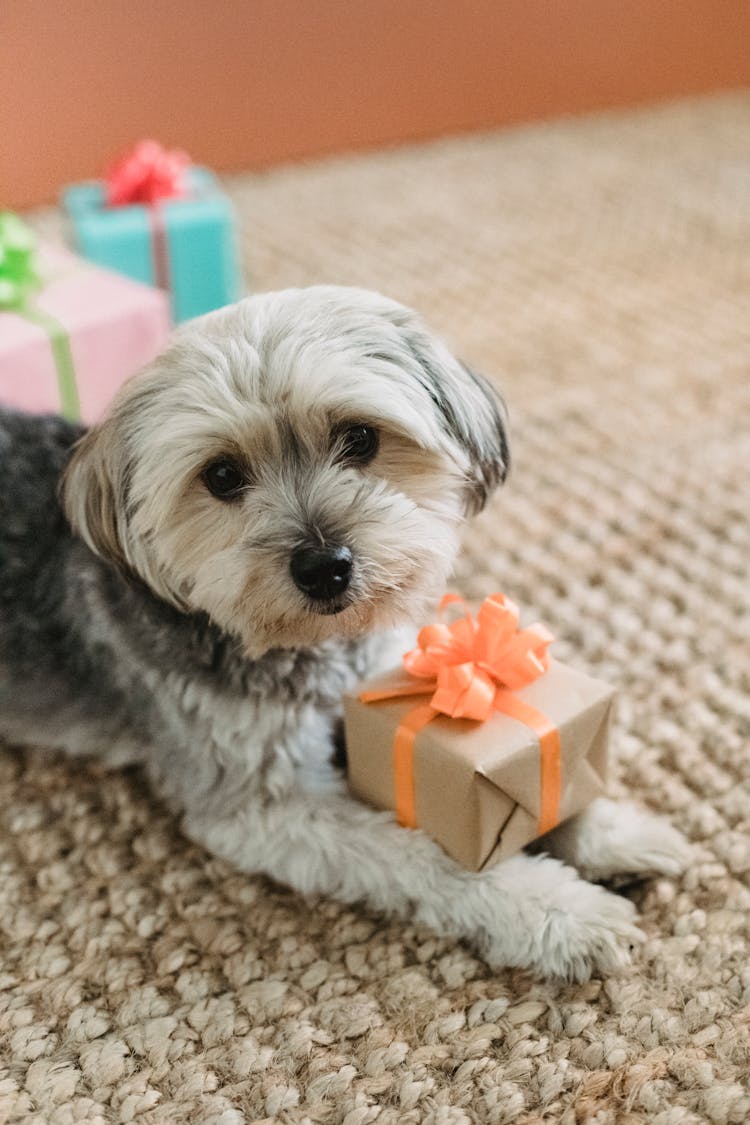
<point>256,741</point>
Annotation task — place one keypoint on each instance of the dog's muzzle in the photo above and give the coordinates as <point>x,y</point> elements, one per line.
<point>323,574</point>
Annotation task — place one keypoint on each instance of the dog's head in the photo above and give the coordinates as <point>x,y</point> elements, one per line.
<point>296,466</point>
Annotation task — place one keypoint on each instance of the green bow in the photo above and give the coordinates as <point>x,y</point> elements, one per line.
<point>18,276</point>
<point>18,280</point>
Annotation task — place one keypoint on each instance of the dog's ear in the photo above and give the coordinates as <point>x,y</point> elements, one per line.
<point>471,411</point>
<point>92,492</point>
<point>478,419</point>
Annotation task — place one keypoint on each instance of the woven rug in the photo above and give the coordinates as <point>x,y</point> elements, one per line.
<point>599,269</point>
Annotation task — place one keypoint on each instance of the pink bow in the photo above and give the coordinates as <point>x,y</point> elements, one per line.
<point>146,174</point>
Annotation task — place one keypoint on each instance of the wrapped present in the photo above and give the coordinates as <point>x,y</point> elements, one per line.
<point>70,333</point>
<point>162,221</point>
<point>481,740</point>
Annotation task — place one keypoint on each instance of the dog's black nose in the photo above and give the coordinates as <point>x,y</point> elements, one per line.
<point>322,572</point>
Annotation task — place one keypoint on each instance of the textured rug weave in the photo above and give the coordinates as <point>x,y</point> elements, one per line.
<point>600,271</point>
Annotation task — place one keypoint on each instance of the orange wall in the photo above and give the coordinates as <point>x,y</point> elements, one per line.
<point>245,83</point>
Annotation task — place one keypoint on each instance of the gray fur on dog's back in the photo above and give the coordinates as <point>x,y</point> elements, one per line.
<point>40,574</point>
<point>58,680</point>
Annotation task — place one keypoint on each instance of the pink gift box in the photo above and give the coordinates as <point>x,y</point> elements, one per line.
<point>114,327</point>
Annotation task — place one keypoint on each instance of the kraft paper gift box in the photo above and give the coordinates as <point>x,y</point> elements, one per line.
<point>477,788</point>
<point>77,336</point>
<point>186,245</point>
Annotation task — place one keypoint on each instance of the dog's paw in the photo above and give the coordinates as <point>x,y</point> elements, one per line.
<point>641,843</point>
<point>657,848</point>
<point>612,838</point>
<point>593,934</point>
<point>565,927</point>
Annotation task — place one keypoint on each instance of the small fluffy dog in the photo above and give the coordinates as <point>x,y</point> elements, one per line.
<point>234,546</point>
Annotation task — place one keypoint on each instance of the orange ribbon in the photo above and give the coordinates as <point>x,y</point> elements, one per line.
<point>473,668</point>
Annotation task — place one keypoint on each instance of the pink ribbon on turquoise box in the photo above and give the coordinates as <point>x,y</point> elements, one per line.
<point>19,281</point>
<point>150,174</point>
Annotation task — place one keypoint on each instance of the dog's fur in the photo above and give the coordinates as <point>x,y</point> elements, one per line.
<point>144,620</point>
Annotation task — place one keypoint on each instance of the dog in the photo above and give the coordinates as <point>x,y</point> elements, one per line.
<point>194,582</point>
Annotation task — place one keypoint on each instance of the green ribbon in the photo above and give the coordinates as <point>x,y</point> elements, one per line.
<point>19,280</point>
<point>18,276</point>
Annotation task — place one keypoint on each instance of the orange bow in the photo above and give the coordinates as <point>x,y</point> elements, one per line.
<point>470,659</point>
<point>473,667</point>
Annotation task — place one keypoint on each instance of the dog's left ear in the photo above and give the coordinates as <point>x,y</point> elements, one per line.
<point>92,493</point>
<point>471,411</point>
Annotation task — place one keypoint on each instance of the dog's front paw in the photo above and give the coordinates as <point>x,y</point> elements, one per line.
<point>612,838</point>
<point>567,927</point>
<point>650,845</point>
<point>595,934</point>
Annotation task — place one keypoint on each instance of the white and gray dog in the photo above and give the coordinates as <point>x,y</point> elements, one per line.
<point>232,548</point>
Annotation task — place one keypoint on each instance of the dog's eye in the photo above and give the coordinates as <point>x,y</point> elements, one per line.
<point>358,444</point>
<point>223,478</point>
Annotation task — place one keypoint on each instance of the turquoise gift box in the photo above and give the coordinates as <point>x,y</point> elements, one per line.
<point>185,245</point>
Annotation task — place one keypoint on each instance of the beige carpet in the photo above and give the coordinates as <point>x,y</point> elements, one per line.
<point>600,270</point>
